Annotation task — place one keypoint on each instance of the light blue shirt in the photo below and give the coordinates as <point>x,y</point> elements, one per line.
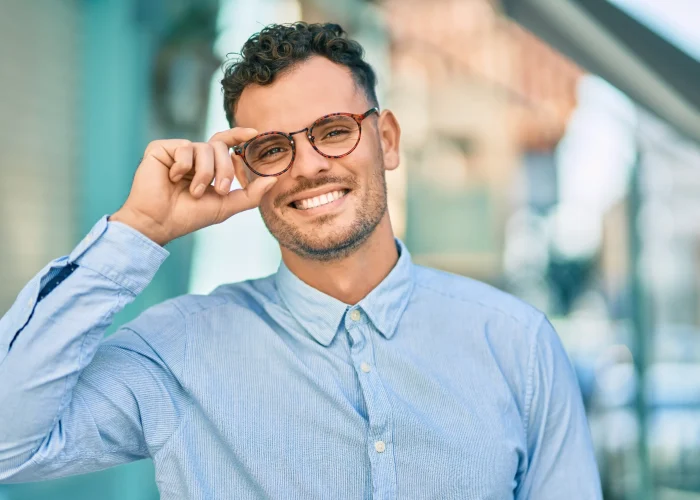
<point>432,386</point>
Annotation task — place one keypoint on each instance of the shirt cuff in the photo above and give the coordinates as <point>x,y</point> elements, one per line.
<point>121,254</point>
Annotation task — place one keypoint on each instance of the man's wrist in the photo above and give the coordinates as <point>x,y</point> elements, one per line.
<point>146,227</point>
<point>120,253</point>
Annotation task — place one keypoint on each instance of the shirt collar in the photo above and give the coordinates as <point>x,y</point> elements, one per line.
<point>320,314</point>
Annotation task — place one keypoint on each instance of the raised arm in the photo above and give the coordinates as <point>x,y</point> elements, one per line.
<point>68,402</point>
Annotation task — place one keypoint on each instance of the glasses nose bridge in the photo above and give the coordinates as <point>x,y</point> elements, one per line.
<point>308,136</point>
<point>309,165</point>
<point>305,129</point>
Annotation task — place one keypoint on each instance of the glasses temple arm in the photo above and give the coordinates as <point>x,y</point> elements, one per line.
<point>373,110</point>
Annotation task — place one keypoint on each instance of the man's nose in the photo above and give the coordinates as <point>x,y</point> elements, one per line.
<point>308,162</point>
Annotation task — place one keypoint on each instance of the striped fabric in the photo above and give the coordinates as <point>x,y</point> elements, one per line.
<point>433,386</point>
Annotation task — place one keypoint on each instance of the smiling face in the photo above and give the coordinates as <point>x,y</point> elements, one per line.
<point>322,208</point>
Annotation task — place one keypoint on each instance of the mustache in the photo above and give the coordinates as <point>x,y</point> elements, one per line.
<point>305,184</point>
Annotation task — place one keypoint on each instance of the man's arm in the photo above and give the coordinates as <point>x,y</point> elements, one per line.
<point>70,403</point>
<point>61,412</point>
<point>561,461</point>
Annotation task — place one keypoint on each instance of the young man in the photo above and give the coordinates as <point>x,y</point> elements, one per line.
<point>350,373</point>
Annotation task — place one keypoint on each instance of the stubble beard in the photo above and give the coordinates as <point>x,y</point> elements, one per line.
<point>339,243</point>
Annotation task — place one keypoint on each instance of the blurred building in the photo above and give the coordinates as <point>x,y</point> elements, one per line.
<point>40,136</point>
<point>478,98</point>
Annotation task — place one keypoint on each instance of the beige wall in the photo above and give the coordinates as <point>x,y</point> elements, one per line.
<point>39,153</point>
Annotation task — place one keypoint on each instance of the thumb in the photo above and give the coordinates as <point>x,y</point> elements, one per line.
<point>240,200</point>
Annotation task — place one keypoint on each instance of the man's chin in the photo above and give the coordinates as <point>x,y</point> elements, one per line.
<point>326,246</point>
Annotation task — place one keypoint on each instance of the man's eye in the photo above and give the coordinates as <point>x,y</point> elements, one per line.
<point>271,152</point>
<point>335,133</point>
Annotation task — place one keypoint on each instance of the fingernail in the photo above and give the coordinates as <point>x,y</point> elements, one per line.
<point>225,184</point>
<point>177,178</point>
<point>199,190</point>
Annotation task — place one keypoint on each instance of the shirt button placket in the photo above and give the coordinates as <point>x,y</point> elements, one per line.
<point>378,408</point>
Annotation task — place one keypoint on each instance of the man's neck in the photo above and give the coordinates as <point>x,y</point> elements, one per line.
<point>352,278</point>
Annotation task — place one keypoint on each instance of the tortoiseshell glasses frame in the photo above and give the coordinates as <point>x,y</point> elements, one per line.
<point>240,150</point>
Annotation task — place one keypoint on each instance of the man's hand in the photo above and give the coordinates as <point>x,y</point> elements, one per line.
<point>172,193</point>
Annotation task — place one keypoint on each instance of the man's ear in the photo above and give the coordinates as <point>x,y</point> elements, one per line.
<point>390,137</point>
<point>241,170</point>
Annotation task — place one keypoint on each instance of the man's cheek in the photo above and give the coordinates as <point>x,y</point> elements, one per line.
<point>267,202</point>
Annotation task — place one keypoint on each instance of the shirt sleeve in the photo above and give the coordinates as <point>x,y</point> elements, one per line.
<point>561,461</point>
<point>70,402</point>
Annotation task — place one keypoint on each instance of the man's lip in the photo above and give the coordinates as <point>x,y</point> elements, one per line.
<point>312,193</point>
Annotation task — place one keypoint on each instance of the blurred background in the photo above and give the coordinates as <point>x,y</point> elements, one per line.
<point>550,148</point>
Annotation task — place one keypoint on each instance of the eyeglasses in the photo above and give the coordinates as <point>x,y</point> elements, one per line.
<point>334,136</point>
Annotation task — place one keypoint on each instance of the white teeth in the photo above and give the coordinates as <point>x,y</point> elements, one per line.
<point>317,201</point>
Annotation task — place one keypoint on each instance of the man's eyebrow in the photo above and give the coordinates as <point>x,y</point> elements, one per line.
<point>270,138</point>
<point>324,120</point>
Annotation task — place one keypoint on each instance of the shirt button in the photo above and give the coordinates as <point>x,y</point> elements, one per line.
<point>88,238</point>
<point>30,302</point>
<point>355,315</point>
<point>365,367</point>
<point>380,446</point>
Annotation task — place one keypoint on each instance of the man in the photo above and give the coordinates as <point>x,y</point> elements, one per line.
<point>350,373</point>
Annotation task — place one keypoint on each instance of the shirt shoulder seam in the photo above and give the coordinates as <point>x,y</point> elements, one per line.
<point>190,403</point>
<point>187,314</point>
<point>521,321</point>
<point>187,414</point>
<point>529,384</point>
<point>183,361</point>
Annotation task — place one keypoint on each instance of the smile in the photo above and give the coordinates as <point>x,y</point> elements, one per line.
<point>320,200</point>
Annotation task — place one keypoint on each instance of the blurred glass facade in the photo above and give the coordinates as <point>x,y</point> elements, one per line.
<point>518,168</point>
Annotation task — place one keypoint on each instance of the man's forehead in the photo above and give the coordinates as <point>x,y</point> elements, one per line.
<point>311,89</point>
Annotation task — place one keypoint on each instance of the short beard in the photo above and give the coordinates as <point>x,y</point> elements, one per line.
<point>370,211</point>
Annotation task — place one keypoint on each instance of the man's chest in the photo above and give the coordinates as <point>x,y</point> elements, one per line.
<point>377,424</point>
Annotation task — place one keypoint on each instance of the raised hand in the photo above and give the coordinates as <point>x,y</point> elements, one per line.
<point>172,193</point>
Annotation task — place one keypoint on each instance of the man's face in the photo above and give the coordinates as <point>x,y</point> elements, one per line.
<point>333,230</point>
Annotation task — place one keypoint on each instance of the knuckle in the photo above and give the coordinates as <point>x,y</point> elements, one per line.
<point>184,153</point>
<point>204,167</point>
<point>150,147</point>
<point>166,144</point>
<point>204,149</point>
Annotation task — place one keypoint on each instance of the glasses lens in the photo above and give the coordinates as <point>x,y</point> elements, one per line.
<point>336,135</point>
<point>269,154</point>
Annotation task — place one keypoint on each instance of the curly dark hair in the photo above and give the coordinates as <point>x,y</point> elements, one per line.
<point>279,47</point>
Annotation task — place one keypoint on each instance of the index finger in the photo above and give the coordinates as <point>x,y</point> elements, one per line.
<point>234,136</point>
